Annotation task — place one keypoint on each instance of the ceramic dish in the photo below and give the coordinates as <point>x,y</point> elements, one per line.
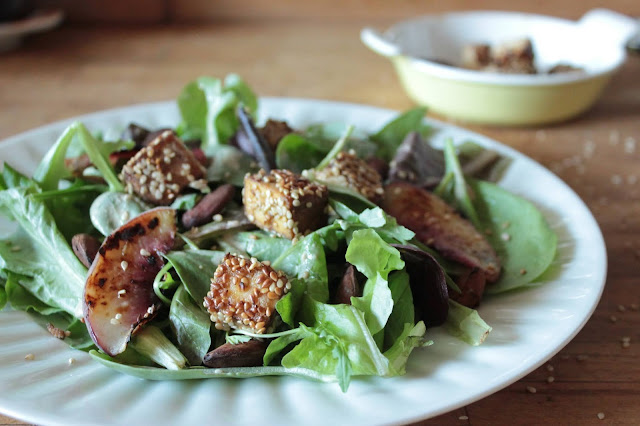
<point>528,326</point>
<point>596,43</point>
<point>11,33</point>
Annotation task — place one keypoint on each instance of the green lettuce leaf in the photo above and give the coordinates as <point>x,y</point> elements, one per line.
<point>466,324</point>
<point>207,107</point>
<point>56,275</point>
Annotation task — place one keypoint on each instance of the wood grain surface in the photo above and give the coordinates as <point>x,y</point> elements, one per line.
<point>76,70</point>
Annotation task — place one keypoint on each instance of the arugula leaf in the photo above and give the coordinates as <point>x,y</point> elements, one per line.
<point>52,168</point>
<point>453,187</point>
<point>393,133</point>
<point>466,324</point>
<point>531,246</point>
<point>191,326</point>
<point>195,269</point>
<point>57,275</point>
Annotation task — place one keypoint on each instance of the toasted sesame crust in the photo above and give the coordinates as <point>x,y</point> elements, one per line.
<point>162,170</point>
<point>353,172</point>
<point>244,293</point>
<point>285,203</point>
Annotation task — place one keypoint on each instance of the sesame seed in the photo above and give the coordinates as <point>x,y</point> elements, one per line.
<point>144,252</point>
<point>625,345</point>
<point>217,218</point>
<point>601,416</point>
<point>29,357</point>
<point>621,308</point>
<point>16,248</point>
<point>124,264</point>
<point>613,318</point>
<point>71,361</point>
<point>616,179</point>
<point>150,309</point>
<point>121,292</point>
<point>531,389</point>
<point>505,236</point>
<point>463,418</point>
<point>550,379</point>
<point>582,357</point>
<point>550,368</point>
<point>523,271</point>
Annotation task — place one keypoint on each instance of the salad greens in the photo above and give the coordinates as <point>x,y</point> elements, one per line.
<point>312,337</point>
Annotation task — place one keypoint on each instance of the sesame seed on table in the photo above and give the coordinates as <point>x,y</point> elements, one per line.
<point>312,50</point>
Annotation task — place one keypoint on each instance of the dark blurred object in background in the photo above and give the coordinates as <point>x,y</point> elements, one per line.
<point>12,10</point>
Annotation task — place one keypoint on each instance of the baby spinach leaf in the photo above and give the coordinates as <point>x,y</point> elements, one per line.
<point>261,245</point>
<point>306,260</point>
<point>111,210</point>
<point>288,306</point>
<point>155,373</point>
<point>297,153</point>
<point>190,325</point>
<point>195,269</point>
<point>393,133</point>
<point>519,233</point>
<point>229,164</point>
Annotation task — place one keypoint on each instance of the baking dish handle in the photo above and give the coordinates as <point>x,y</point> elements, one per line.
<point>614,26</point>
<point>377,42</point>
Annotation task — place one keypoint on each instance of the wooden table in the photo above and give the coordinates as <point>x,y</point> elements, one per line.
<point>78,70</point>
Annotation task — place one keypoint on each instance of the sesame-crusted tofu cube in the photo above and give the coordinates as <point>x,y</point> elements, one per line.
<point>244,293</point>
<point>162,170</point>
<point>285,203</point>
<point>350,171</point>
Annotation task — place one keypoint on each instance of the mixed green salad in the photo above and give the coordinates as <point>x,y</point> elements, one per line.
<point>151,251</point>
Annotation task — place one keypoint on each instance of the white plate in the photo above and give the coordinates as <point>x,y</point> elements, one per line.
<point>528,326</point>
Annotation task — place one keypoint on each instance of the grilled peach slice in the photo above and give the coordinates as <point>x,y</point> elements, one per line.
<point>118,293</point>
<point>439,226</point>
